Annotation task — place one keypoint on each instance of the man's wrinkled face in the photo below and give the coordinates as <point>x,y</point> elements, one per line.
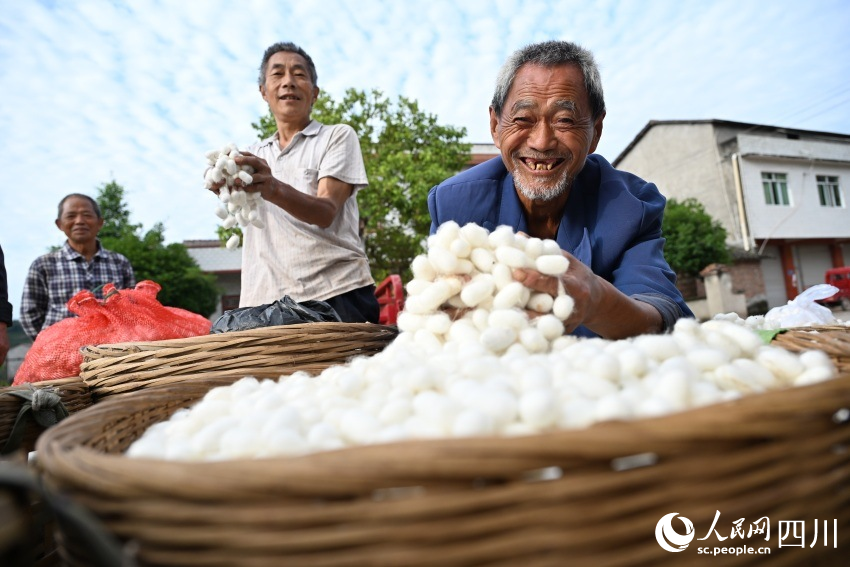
<point>288,88</point>
<point>79,221</point>
<point>546,130</point>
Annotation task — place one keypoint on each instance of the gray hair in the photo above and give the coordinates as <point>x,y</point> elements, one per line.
<point>79,196</point>
<point>287,47</point>
<point>551,54</point>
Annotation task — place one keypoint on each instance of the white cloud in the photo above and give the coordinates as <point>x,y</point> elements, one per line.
<point>138,92</point>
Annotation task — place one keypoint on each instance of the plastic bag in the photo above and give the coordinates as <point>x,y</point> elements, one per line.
<point>122,316</point>
<point>284,311</point>
<point>803,311</point>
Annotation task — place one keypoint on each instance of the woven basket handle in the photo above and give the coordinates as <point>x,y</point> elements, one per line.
<point>42,405</point>
<point>76,522</point>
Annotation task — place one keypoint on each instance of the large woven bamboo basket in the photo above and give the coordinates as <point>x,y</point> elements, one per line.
<point>266,352</point>
<point>73,392</point>
<point>581,497</point>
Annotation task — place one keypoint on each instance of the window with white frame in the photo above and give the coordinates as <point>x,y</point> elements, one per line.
<point>828,191</point>
<point>775,188</point>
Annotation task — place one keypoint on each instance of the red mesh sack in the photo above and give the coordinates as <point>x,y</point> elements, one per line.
<point>125,315</point>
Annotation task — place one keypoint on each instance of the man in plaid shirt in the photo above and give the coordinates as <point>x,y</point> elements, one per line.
<point>81,263</point>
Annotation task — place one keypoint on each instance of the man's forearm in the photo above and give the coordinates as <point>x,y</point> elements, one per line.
<point>618,316</point>
<point>307,208</point>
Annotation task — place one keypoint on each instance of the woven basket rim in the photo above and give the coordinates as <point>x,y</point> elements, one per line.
<point>417,460</point>
<point>237,336</point>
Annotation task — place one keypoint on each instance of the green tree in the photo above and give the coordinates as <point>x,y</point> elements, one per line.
<point>694,239</point>
<point>406,152</point>
<point>183,283</point>
<point>116,216</point>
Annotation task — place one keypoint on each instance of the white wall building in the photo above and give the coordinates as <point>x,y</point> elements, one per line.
<point>780,193</point>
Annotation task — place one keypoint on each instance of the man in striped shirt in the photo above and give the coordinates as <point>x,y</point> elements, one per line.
<point>81,263</point>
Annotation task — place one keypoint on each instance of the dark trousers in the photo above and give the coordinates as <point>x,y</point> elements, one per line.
<point>357,306</point>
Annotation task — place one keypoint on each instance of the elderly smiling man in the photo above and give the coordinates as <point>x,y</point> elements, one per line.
<point>546,119</point>
<point>308,174</point>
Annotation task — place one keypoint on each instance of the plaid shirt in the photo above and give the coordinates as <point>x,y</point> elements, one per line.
<point>56,277</point>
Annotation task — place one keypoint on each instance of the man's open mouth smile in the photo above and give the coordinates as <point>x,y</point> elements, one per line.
<point>541,164</point>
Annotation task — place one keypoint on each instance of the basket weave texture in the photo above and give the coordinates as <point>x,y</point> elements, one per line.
<point>475,501</point>
<point>75,396</point>
<point>266,352</point>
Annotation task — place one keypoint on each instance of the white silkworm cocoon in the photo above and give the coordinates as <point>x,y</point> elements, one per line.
<point>784,365</point>
<point>533,340</point>
<point>436,294</point>
<point>816,359</point>
<point>814,375</point>
<point>221,211</point>
<point>551,265</point>
<point>477,236</point>
<point>606,366</point>
<point>533,248</point>
<point>416,286</point>
<point>512,257</point>
<point>549,326</point>
<point>427,340</point>
<point>444,262</point>
<point>482,259</point>
<point>732,377</point>
<point>224,169</point>
<point>591,386</point>
<point>757,373</point>
<point>358,426</point>
<point>232,242</point>
<point>463,330</point>
<point>658,347</point>
<point>477,291</point>
<point>438,323</point>
<point>460,248</point>
<point>539,409</point>
<point>502,236</point>
<point>540,302</point>
<point>253,215</point>
<point>508,319</point>
<point>395,411</point>
<point>472,423</point>
<point>551,247</point>
<point>422,269</point>
<point>722,341</point>
<point>229,222</point>
<point>502,276</point>
<point>448,233</point>
<point>509,296</point>
<point>464,266</point>
<point>497,339</point>
<point>612,407</point>
<point>707,358</point>
<point>562,307</point>
<point>748,341</point>
<point>480,318</point>
<point>674,388</point>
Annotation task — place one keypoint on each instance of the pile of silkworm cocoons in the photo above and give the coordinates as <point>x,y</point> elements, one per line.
<point>235,206</point>
<point>437,380</point>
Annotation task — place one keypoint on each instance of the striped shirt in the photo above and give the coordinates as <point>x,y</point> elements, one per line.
<point>296,258</point>
<point>56,277</point>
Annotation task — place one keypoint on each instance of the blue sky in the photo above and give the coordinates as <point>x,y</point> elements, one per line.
<point>137,92</point>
